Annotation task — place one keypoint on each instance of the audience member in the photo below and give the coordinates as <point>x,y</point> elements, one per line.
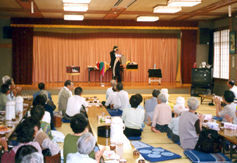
<point>35,157</point>
<point>110,89</point>
<point>150,105</point>
<point>23,151</point>
<point>233,87</point>
<point>3,96</point>
<point>190,125</point>
<point>25,135</point>
<point>162,115</point>
<point>48,114</point>
<point>113,103</point>
<point>63,96</point>
<point>75,104</point>
<point>123,96</point>
<point>133,118</point>
<point>79,126</point>
<point>85,145</point>
<point>179,107</point>
<point>14,90</point>
<point>41,87</point>
<point>37,113</point>
<point>166,92</point>
<point>42,138</point>
<point>229,109</point>
<point>140,99</point>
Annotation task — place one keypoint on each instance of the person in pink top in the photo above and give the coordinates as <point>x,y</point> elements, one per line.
<point>162,115</point>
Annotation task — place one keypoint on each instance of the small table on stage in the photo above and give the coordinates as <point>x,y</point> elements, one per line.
<point>154,73</point>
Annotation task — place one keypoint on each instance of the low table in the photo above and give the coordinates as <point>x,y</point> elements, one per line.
<point>203,97</point>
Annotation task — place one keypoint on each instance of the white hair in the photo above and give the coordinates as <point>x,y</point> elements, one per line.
<point>162,98</point>
<point>35,157</point>
<point>86,143</point>
<point>193,103</point>
<point>5,79</point>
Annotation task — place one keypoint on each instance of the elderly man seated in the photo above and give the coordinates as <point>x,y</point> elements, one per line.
<point>85,145</point>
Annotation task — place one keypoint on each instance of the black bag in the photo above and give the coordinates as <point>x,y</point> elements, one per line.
<point>209,141</point>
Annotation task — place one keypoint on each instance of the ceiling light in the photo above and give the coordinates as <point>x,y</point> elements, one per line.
<point>147,18</point>
<point>75,7</point>
<point>166,9</point>
<point>73,17</point>
<point>184,3</point>
<point>76,1</point>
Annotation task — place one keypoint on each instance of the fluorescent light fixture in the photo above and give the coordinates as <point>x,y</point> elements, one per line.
<point>73,17</point>
<point>184,3</point>
<point>76,1</point>
<point>147,18</point>
<point>166,9</point>
<point>75,7</point>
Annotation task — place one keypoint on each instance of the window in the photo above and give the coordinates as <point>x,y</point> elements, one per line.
<point>221,54</point>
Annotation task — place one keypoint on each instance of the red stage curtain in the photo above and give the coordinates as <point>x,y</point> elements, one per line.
<point>22,55</point>
<point>54,51</point>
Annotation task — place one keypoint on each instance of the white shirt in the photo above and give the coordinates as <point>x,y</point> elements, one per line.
<point>174,125</point>
<point>70,92</point>
<point>123,95</point>
<point>79,158</point>
<point>46,117</point>
<point>74,105</point>
<point>133,118</point>
<point>109,90</point>
<point>113,99</point>
<point>234,90</point>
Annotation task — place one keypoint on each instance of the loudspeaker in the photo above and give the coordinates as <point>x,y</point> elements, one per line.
<point>204,36</point>
<point>7,32</point>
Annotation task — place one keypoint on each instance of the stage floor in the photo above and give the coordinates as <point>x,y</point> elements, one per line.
<point>96,87</point>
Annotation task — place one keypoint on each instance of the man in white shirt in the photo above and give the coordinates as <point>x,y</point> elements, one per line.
<point>113,101</point>
<point>123,96</point>
<point>75,103</point>
<point>233,88</point>
<point>63,96</point>
<point>110,89</point>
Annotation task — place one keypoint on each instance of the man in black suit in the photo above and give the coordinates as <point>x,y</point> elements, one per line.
<point>115,64</point>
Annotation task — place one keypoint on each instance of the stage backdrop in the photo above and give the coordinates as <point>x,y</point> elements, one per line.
<point>52,52</point>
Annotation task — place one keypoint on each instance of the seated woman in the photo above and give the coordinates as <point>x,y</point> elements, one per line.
<point>25,135</point>
<point>48,116</point>
<point>37,113</point>
<point>229,110</point>
<point>190,125</point>
<point>133,118</point>
<point>85,145</point>
<point>79,126</point>
<point>162,115</point>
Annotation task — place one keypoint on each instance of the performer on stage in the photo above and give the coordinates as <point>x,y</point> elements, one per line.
<point>115,63</point>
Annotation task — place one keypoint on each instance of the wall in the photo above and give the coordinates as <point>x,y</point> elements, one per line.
<point>5,50</point>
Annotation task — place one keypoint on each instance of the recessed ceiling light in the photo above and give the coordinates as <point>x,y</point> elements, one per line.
<point>73,17</point>
<point>76,1</point>
<point>147,18</point>
<point>166,9</point>
<point>184,3</point>
<point>75,7</point>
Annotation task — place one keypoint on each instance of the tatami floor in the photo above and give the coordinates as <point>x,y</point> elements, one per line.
<point>154,139</point>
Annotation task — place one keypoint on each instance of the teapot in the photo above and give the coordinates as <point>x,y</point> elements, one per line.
<point>116,130</point>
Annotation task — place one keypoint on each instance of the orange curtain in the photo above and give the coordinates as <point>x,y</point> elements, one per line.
<point>52,52</point>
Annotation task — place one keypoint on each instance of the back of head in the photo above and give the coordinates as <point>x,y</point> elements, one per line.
<point>78,123</point>
<point>162,98</point>
<point>231,82</point>
<point>35,157</point>
<point>119,86</point>
<point>113,83</point>
<point>193,103</point>
<point>41,86</point>
<point>5,78</point>
<point>78,91</point>
<point>229,96</point>
<point>86,143</point>
<point>45,94</point>
<point>23,151</point>
<point>4,88</point>
<point>139,97</point>
<point>40,100</point>
<point>37,112</point>
<point>67,83</point>
<point>115,48</point>
<point>155,93</point>
<point>25,131</point>
<point>134,101</point>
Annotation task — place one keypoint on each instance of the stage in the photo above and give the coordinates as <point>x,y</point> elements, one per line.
<point>96,88</point>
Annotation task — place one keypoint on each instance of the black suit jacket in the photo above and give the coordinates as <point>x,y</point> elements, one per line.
<point>112,58</point>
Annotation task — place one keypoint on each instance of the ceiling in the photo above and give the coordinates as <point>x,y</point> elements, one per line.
<point>127,9</point>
